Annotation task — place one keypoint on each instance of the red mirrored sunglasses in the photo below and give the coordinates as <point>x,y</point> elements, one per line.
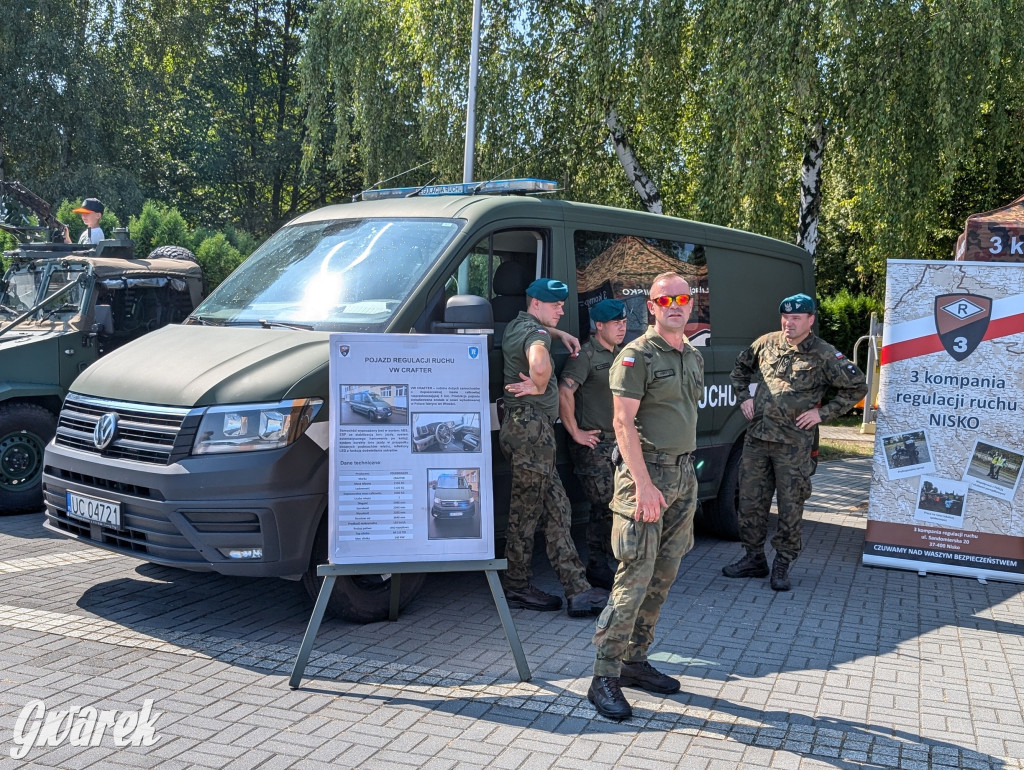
<point>665,300</point>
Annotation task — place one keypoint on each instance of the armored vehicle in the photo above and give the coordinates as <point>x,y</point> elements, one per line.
<point>217,460</point>
<point>62,306</point>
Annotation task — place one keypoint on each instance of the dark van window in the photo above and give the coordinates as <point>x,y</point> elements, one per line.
<point>620,266</point>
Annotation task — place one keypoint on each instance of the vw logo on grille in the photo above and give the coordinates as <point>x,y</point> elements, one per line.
<point>105,431</point>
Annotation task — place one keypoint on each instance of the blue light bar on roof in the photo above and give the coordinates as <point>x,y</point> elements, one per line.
<point>493,187</point>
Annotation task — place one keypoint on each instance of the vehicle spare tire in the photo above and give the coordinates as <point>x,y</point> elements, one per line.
<point>172,252</point>
<point>358,598</point>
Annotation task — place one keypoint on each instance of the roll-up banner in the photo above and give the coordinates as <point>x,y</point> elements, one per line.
<point>945,494</point>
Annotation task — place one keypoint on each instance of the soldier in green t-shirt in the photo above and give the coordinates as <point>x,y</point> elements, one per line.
<point>656,383</point>
<point>527,438</point>
<point>795,368</point>
<point>585,406</point>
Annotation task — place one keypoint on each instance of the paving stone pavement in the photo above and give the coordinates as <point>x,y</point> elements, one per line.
<point>856,667</point>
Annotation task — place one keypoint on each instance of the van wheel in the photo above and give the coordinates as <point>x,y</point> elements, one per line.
<point>720,518</point>
<point>25,430</point>
<point>172,252</point>
<point>358,598</point>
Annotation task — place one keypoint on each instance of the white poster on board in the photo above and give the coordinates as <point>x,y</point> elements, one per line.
<point>945,491</point>
<point>410,475</point>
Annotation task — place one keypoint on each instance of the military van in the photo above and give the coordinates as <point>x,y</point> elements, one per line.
<point>217,458</point>
<point>62,306</point>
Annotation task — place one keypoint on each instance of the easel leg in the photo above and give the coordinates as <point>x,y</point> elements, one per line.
<point>506,622</point>
<point>396,596</point>
<point>314,625</point>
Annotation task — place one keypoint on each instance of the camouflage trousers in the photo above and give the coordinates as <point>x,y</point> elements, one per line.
<point>527,439</point>
<point>649,554</point>
<point>768,468</point>
<point>596,471</point>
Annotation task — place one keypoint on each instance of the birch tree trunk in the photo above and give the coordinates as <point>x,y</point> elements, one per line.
<point>645,186</point>
<point>810,189</point>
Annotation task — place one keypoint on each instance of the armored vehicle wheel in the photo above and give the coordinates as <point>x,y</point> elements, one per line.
<point>358,598</point>
<point>172,252</point>
<point>25,430</point>
<point>720,517</point>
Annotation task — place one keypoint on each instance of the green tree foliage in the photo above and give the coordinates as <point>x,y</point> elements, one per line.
<point>218,258</point>
<point>845,318</point>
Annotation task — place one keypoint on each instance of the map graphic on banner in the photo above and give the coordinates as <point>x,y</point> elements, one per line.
<point>410,476</point>
<point>945,491</point>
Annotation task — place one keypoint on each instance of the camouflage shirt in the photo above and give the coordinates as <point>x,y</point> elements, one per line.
<point>589,370</point>
<point>793,380</point>
<point>523,332</point>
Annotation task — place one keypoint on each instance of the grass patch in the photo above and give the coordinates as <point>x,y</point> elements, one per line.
<point>839,450</point>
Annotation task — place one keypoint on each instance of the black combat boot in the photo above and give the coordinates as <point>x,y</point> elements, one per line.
<point>780,575</point>
<point>532,598</point>
<point>590,602</point>
<point>644,676</point>
<point>753,564</point>
<point>608,699</point>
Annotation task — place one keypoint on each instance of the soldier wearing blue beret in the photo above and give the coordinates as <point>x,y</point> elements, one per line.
<point>527,438</point>
<point>794,369</point>
<point>585,406</point>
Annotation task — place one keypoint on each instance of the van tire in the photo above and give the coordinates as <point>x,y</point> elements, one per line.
<point>357,598</point>
<point>25,430</point>
<point>720,517</point>
<point>173,252</point>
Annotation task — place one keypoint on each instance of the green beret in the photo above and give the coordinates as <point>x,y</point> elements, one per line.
<point>798,303</point>
<point>608,310</point>
<point>548,290</point>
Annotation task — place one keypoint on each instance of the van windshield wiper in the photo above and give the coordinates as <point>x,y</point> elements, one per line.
<point>282,325</point>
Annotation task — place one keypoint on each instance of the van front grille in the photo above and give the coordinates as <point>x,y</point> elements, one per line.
<point>145,433</point>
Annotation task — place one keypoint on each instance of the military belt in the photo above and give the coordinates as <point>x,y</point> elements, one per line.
<point>661,458</point>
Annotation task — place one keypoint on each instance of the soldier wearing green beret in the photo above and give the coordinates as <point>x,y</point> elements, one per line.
<point>794,368</point>
<point>585,406</point>
<point>656,382</point>
<point>527,438</point>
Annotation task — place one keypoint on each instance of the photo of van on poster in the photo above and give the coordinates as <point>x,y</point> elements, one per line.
<point>950,374</point>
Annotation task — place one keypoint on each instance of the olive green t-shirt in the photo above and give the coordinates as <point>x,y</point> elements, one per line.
<point>589,370</point>
<point>523,332</point>
<point>668,383</point>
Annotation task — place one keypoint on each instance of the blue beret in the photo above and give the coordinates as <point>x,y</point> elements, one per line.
<point>798,303</point>
<point>548,290</point>
<point>608,310</point>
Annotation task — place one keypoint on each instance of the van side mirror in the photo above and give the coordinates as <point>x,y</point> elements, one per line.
<point>102,320</point>
<point>465,314</point>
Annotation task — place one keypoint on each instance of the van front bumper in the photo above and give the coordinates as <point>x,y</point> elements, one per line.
<point>250,514</point>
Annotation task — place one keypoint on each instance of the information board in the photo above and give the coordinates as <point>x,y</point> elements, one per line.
<point>410,476</point>
<point>945,494</point>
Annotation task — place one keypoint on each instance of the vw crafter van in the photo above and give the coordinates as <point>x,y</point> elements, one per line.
<point>203,446</point>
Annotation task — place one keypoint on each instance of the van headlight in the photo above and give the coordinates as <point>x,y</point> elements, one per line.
<point>248,427</point>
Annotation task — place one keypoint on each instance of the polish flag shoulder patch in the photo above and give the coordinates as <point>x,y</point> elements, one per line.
<point>628,361</point>
<point>839,355</point>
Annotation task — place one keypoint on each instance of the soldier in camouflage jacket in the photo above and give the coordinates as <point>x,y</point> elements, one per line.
<point>795,368</point>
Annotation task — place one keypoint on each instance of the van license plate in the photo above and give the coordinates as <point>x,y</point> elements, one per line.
<point>89,509</point>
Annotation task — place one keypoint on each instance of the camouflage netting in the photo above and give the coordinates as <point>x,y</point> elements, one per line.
<point>993,236</point>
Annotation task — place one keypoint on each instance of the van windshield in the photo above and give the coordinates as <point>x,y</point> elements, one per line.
<point>341,275</point>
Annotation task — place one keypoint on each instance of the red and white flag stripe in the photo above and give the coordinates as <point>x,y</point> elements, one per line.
<point>919,337</point>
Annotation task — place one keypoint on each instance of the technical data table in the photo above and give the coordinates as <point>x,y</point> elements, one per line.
<point>374,505</point>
